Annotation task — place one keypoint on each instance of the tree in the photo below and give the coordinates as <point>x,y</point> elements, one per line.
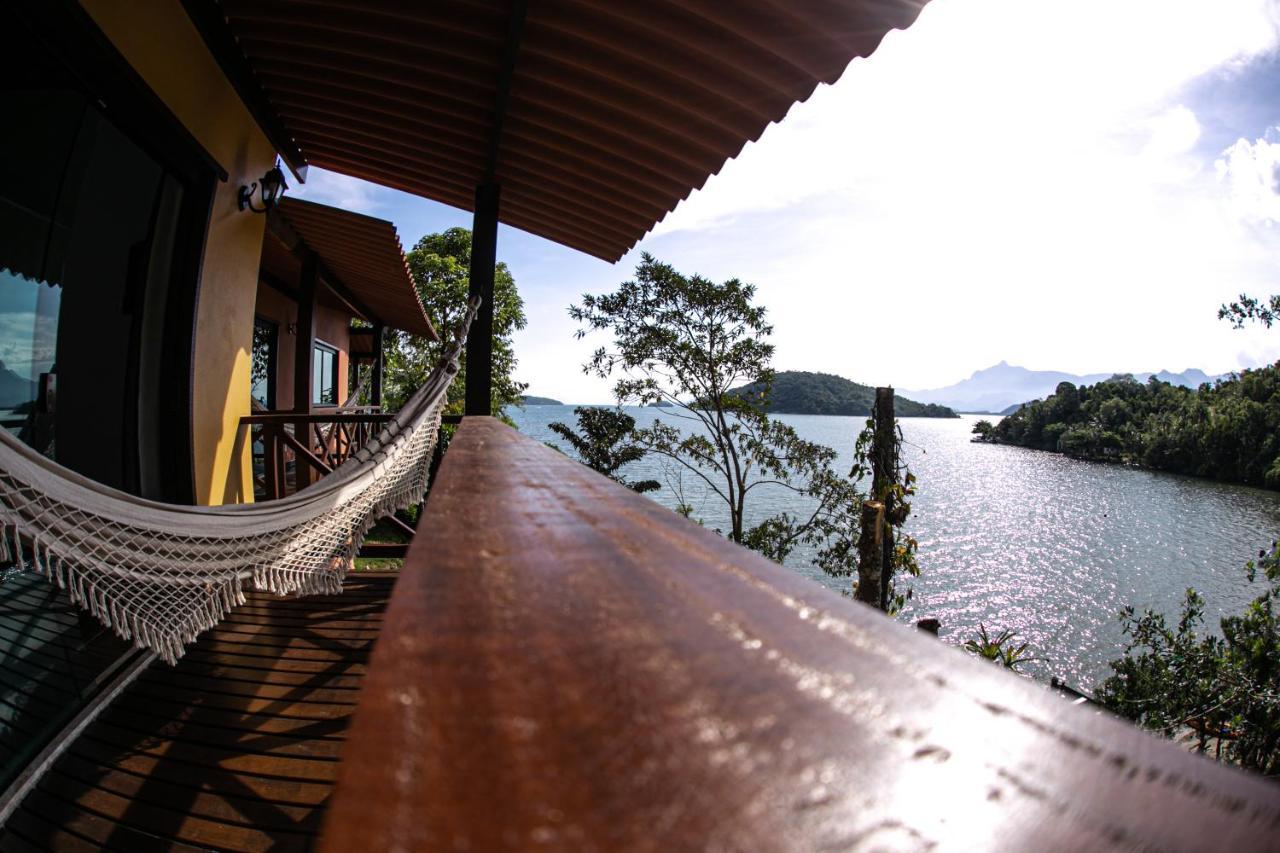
<point>260,362</point>
<point>1251,309</point>
<point>685,342</point>
<point>1229,430</point>
<point>1224,689</point>
<point>440,266</point>
<point>606,443</point>
<point>984,430</point>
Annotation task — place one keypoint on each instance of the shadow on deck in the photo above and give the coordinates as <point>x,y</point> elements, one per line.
<point>236,747</point>
<point>52,658</point>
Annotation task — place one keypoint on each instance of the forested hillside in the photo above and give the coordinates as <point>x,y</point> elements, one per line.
<point>801,393</point>
<point>1229,430</point>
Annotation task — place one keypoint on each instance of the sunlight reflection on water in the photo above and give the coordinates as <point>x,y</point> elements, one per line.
<point>1036,542</point>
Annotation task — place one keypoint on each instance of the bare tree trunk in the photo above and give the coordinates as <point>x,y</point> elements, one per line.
<point>884,472</point>
<point>870,553</point>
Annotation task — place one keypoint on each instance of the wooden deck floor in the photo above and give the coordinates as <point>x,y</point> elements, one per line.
<point>235,748</point>
<point>50,657</point>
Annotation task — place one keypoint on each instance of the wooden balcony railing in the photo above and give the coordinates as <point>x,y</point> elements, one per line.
<point>283,463</point>
<point>565,664</point>
<point>290,450</point>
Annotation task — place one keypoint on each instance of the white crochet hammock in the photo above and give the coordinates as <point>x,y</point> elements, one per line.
<point>159,574</point>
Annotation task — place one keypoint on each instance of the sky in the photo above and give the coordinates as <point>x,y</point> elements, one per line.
<point>1069,185</point>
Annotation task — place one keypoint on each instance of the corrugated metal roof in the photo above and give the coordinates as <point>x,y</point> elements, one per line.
<point>616,111</point>
<point>365,255</point>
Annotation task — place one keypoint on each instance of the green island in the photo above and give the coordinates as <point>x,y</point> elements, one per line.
<point>530,400</point>
<point>798,392</point>
<point>1228,431</point>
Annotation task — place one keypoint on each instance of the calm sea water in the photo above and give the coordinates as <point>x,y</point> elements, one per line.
<point>1035,542</point>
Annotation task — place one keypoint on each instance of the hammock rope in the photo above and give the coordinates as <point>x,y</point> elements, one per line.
<point>159,574</point>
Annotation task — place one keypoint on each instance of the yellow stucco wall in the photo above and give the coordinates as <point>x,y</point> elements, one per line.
<point>160,42</point>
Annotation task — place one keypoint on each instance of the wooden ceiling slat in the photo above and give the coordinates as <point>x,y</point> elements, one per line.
<point>621,100</point>
<point>597,219</point>
<point>369,92</point>
<point>516,214</point>
<point>600,215</point>
<point>348,108</point>
<point>513,214</point>
<point>663,94</point>
<point>443,57</point>
<point>429,157</point>
<point>409,22</point>
<point>690,45</point>
<point>428,153</point>
<point>401,118</point>
<point>565,105</point>
<point>774,30</point>
<point>385,81</point>
<point>441,116</point>
<point>623,201</point>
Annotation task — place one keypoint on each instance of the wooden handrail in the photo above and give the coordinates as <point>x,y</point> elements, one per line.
<point>316,418</point>
<point>568,665</point>
<point>335,417</point>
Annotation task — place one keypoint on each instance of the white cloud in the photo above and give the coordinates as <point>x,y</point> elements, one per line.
<point>986,91</point>
<point>338,190</point>
<point>1251,173</point>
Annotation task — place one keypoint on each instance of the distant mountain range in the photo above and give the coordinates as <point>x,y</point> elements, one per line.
<point>1005,387</point>
<point>801,393</point>
<point>530,400</point>
<point>14,390</point>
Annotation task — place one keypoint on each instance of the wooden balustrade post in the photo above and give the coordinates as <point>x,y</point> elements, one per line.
<point>375,390</point>
<point>282,469</point>
<point>271,483</point>
<point>321,446</point>
<point>304,351</point>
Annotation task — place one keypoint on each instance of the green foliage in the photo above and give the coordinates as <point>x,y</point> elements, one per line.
<point>802,393</point>
<point>984,430</point>
<point>679,338</point>
<point>1251,310</point>
<point>440,265</point>
<point>260,363</point>
<point>606,443</point>
<point>1225,689</point>
<point>1229,430</point>
<point>999,649</point>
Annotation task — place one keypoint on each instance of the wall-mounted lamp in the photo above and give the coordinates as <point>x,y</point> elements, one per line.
<point>272,187</point>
